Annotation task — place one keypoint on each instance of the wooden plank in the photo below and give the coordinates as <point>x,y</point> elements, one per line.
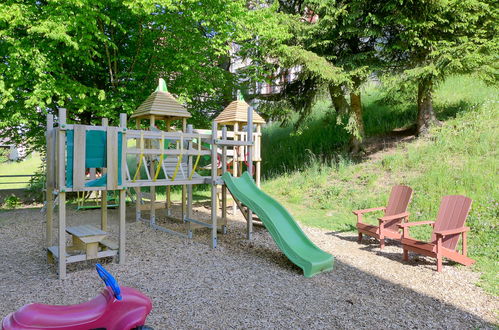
<point>156,205</point>
<point>50,184</point>
<point>79,157</point>
<point>249,223</point>
<point>167,152</point>
<point>110,244</point>
<point>224,187</point>
<point>84,230</point>
<point>122,229</point>
<point>112,158</point>
<point>91,250</point>
<point>235,160</point>
<point>152,168</point>
<point>83,257</point>
<point>170,135</point>
<point>103,205</point>
<point>213,190</point>
<point>54,250</point>
<point>62,235</point>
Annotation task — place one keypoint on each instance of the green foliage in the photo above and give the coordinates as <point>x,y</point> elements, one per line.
<point>459,157</point>
<point>11,202</point>
<point>433,39</point>
<point>319,139</point>
<point>36,186</point>
<point>4,155</point>
<point>101,58</point>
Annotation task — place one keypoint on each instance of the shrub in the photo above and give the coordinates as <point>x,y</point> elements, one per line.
<point>11,202</point>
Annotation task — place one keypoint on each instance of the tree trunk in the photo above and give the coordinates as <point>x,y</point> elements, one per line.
<point>356,112</point>
<point>426,115</point>
<point>339,100</point>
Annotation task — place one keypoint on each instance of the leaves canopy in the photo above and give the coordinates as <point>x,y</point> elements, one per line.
<point>100,58</point>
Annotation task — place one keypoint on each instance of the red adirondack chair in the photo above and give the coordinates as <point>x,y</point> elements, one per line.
<point>395,214</point>
<point>446,231</point>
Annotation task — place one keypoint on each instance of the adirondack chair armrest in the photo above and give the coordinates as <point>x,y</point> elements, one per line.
<point>357,212</point>
<point>417,223</point>
<point>394,217</point>
<point>452,231</point>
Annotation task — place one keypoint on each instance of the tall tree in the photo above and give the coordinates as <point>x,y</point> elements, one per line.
<point>100,58</point>
<point>429,39</point>
<point>334,45</point>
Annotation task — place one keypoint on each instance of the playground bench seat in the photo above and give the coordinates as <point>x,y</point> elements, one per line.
<point>87,238</point>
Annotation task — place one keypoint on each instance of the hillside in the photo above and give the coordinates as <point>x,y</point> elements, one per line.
<point>460,157</point>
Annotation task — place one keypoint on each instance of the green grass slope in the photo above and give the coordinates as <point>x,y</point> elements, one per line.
<point>460,157</point>
<point>27,166</point>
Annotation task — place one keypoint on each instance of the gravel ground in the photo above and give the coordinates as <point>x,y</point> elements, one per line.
<point>244,284</point>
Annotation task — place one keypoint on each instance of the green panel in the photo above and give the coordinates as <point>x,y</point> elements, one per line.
<point>95,155</point>
<point>282,227</point>
<point>95,149</point>
<point>69,156</point>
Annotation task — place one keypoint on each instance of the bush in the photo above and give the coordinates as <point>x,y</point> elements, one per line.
<point>36,186</point>
<point>4,155</point>
<point>11,202</point>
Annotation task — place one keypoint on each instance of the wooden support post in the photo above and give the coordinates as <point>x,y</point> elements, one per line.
<point>49,185</point>
<point>184,187</point>
<point>122,211</point>
<point>152,190</point>
<point>122,228</point>
<point>112,158</point>
<point>235,161</point>
<point>138,191</point>
<point>224,187</point>
<point>213,185</point>
<point>103,205</point>
<point>258,154</point>
<point>61,175</point>
<point>168,188</point>
<point>189,187</point>
<point>79,138</point>
<point>62,235</point>
<point>249,139</point>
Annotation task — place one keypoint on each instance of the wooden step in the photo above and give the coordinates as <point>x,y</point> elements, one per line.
<point>110,244</point>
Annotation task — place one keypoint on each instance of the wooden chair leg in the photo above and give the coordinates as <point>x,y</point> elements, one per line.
<point>439,254</point>
<point>406,255</point>
<point>439,262</point>
<point>359,239</point>
<point>381,243</point>
<point>465,248</point>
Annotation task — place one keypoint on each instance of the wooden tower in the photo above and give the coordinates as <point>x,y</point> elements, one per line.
<point>236,115</point>
<point>160,105</point>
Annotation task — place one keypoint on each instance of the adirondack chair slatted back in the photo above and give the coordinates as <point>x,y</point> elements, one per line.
<point>452,214</point>
<point>397,203</point>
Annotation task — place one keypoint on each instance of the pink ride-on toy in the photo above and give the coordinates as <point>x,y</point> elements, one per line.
<point>114,309</point>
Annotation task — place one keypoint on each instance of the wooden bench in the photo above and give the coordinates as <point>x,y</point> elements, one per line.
<point>86,238</point>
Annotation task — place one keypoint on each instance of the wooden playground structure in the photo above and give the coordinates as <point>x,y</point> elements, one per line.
<point>137,159</point>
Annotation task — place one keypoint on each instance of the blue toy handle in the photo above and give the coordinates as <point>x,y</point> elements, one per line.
<point>109,280</point>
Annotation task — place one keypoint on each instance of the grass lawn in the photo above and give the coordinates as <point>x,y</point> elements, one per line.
<point>27,166</point>
<point>459,157</point>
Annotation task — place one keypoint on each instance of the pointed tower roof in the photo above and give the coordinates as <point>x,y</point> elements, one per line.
<point>237,112</point>
<point>161,104</point>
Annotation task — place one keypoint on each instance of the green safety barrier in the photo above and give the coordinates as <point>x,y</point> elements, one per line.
<point>95,155</point>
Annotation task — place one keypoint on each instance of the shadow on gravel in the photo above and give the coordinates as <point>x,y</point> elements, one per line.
<point>372,245</point>
<point>242,284</point>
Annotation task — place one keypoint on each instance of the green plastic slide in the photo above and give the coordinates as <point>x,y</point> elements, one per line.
<point>282,227</point>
